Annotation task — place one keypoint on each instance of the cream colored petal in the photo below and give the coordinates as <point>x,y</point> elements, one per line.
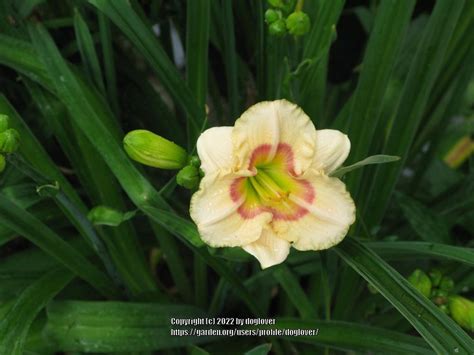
<point>274,122</point>
<point>268,249</point>
<point>214,147</point>
<point>216,215</point>
<point>328,219</point>
<point>332,149</point>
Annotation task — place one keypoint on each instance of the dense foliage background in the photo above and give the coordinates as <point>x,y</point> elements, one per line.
<point>396,76</point>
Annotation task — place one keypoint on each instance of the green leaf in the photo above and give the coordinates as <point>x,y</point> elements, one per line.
<point>353,337</point>
<point>87,50</point>
<point>417,250</point>
<point>118,326</point>
<point>187,232</point>
<point>440,331</point>
<point>34,152</point>
<point>322,34</point>
<point>230,57</point>
<point>295,292</point>
<point>39,234</point>
<point>94,118</point>
<point>374,159</point>
<point>26,7</point>
<point>140,34</point>
<point>424,70</point>
<point>16,322</point>
<point>21,56</point>
<point>176,225</point>
<point>427,224</point>
<point>263,349</point>
<point>109,61</point>
<point>391,21</point>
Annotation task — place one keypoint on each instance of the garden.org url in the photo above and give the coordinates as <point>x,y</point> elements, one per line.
<point>194,332</point>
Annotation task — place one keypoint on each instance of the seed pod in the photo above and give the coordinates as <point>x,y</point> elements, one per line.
<point>153,150</point>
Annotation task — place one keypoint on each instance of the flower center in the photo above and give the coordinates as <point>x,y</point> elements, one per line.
<point>272,187</point>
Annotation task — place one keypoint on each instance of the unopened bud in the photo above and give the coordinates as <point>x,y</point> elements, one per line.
<point>9,141</point>
<point>462,311</point>
<point>446,283</point>
<point>298,23</point>
<point>277,28</point>
<point>3,123</point>
<point>435,276</point>
<point>107,216</point>
<point>421,282</point>
<point>272,16</point>
<point>153,150</point>
<point>195,161</point>
<point>188,177</point>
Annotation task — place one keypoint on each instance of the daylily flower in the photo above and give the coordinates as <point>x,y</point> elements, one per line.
<point>266,185</point>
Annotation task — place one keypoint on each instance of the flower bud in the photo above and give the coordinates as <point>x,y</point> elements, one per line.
<point>150,149</point>
<point>3,123</point>
<point>272,16</point>
<point>195,161</point>
<point>2,163</point>
<point>435,276</point>
<point>462,311</point>
<point>446,284</point>
<point>107,216</point>
<point>277,28</point>
<point>298,23</point>
<point>9,141</point>
<point>188,177</point>
<point>421,282</point>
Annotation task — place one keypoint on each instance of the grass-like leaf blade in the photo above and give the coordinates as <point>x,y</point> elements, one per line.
<point>439,330</point>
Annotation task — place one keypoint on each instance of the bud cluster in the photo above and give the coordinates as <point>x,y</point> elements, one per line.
<point>439,289</point>
<point>282,17</point>
<point>153,150</point>
<point>9,140</point>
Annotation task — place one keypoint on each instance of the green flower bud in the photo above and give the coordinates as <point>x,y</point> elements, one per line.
<point>3,163</point>
<point>435,276</point>
<point>272,16</point>
<point>446,283</point>
<point>421,282</point>
<point>462,311</point>
<point>150,149</point>
<point>106,216</point>
<point>188,177</point>
<point>9,141</point>
<point>298,23</point>
<point>3,123</point>
<point>277,28</point>
<point>195,161</point>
